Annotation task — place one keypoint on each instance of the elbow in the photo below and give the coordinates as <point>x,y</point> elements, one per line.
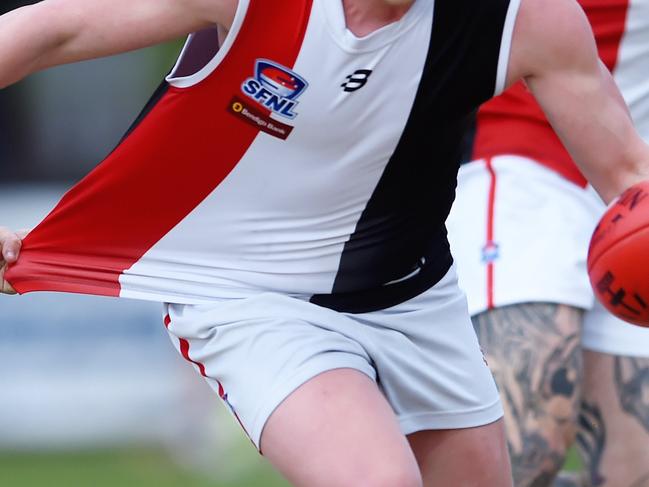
<point>631,169</point>
<point>638,170</point>
<point>54,28</point>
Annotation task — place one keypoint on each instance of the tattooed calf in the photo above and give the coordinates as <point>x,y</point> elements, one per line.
<point>631,377</point>
<point>533,351</point>
<point>591,441</point>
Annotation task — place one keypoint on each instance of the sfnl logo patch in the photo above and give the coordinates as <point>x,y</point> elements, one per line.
<point>274,87</point>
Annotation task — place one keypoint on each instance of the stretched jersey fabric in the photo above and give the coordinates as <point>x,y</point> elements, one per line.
<point>297,158</point>
<point>513,123</point>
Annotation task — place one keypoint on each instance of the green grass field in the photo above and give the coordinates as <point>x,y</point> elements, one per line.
<point>135,468</point>
<point>121,468</point>
<point>573,462</point>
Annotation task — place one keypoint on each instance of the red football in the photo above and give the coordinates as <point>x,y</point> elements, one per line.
<point>618,257</point>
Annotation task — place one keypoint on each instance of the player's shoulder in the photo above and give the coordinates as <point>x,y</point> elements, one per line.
<point>542,31</point>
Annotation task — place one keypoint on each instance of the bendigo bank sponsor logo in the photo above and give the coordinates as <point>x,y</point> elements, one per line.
<point>253,116</point>
<point>273,88</point>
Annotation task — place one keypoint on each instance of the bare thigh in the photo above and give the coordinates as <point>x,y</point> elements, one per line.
<point>463,457</point>
<point>614,425</point>
<point>338,430</point>
<point>533,351</point>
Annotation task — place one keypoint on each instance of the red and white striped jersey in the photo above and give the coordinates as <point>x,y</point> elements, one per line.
<point>289,160</point>
<point>513,123</point>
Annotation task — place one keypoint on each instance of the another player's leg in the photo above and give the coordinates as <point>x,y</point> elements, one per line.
<point>338,430</point>
<point>533,351</point>
<point>470,456</point>
<point>613,436</point>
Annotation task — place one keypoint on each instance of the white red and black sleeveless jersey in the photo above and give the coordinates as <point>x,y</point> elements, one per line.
<point>513,123</point>
<point>298,159</point>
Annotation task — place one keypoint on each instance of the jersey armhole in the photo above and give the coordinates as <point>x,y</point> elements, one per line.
<point>506,46</point>
<point>177,80</point>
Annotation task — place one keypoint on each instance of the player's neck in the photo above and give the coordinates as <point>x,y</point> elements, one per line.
<point>366,16</point>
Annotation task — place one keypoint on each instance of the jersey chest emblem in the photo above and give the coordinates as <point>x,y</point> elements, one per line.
<point>275,87</point>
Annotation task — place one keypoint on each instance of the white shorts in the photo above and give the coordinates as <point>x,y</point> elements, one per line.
<point>423,354</point>
<point>540,226</point>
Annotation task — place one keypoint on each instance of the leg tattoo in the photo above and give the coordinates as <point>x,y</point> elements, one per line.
<point>591,440</point>
<point>632,383</point>
<point>569,479</point>
<point>613,435</point>
<point>631,378</point>
<point>533,350</point>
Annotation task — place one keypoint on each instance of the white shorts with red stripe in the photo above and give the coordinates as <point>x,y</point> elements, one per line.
<point>423,354</point>
<point>519,233</point>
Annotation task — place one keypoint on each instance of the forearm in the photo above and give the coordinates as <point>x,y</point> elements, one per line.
<point>555,52</point>
<point>632,168</point>
<point>615,164</point>
<point>628,163</point>
<point>54,32</point>
<point>594,124</point>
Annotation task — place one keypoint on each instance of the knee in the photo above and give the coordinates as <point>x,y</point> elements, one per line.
<point>539,449</point>
<point>367,471</point>
<point>493,461</point>
<point>383,472</point>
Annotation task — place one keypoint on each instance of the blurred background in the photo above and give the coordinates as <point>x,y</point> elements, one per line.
<point>91,390</point>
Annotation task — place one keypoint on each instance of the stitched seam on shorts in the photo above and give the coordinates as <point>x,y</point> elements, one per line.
<point>451,413</point>
<point>583,301</point>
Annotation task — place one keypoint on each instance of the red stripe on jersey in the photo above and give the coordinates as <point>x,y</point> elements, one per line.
<point>513,123</point>
<point>180,152</point>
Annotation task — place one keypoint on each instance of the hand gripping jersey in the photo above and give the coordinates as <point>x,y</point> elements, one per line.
<point>514,124</point>
<point>297,158</point>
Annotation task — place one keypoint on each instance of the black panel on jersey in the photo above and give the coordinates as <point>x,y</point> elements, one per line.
<point>153,101</point>
<point>202,47</point>
<point>468,142</point>
<point>402,231</point>
<point>199,51</point>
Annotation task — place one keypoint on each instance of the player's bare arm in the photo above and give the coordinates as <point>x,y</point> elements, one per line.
<point>54,32</point>
<point>554,51</point>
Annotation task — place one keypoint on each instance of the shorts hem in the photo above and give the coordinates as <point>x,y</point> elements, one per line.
<point>330,361</point>
<point>584,302</point>
<point>608,346</point>
<point>452,419</point>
